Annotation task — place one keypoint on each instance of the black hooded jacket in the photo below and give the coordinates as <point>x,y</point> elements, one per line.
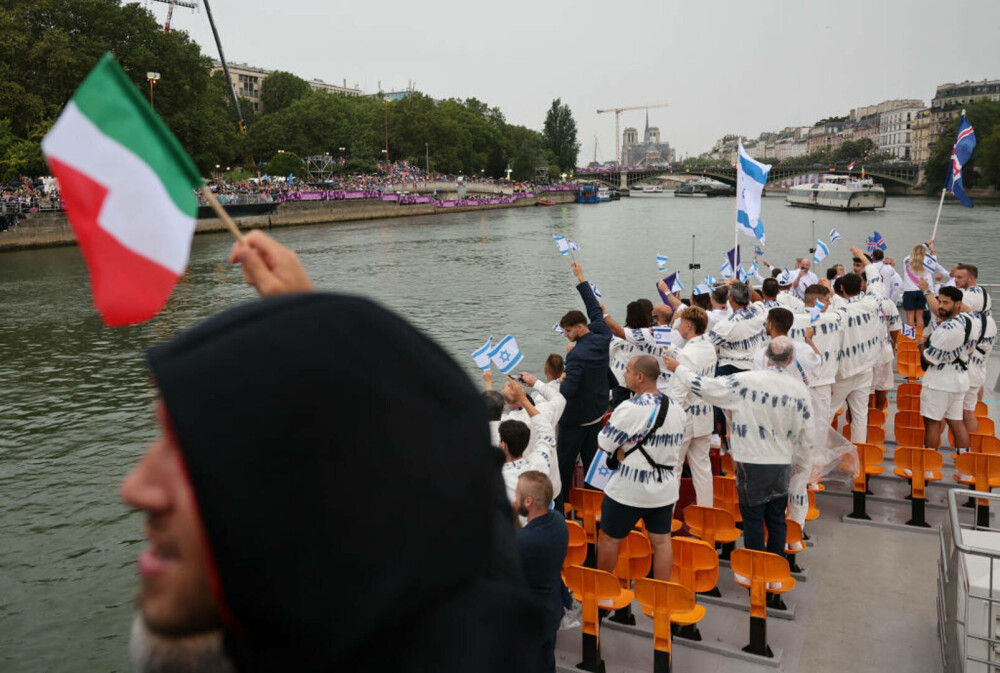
<point>354,511</point>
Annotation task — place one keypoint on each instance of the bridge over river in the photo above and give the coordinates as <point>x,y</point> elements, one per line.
<point>895,174</point>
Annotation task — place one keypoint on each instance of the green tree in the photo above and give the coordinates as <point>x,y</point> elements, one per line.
<point>985,119</point>
<point>560,135</point>
<point>283,163</point>
<point>281,89</point>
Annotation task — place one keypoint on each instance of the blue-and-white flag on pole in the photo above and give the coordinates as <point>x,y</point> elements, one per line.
<point>741,274</point>
<point>751,176</point>
<point>930,263</point>
<point>960,153</point>
<point>908,331</point>
<point>661,261</point>
<point>702,288</point>
<point>482,356</point>
<point>815,312</point>
<point>710,281</point>
<point>597,293</point>
<point>726,270</point>
<point>562,243</point>
<point>662,334</point>
<point>559,330</point>
<point>506,355</point>
<point>834,235</point>
<point>821,252</point>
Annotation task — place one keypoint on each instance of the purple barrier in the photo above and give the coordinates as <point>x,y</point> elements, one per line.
<point>390,197</point>
<point>415,198</point>
<point>446,204</point>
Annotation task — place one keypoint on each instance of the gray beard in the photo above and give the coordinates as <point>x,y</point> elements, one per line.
<point>152,653</point>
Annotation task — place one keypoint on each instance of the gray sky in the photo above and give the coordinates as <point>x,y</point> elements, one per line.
<point>722,66</point>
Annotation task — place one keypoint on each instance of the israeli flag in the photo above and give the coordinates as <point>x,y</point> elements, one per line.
<point>557,328</point>
<point>930,263</point>
<point>750,180</point>
<point>506,355</point>
<point>702,288</point>
<point>599,474</point>
<point>816,311</point>
<point>661,261</point>
<point>482,356</point>
<point>834,235</point>
<point>662,335</point>
<point>710,281</point>
<point>676,285</point>
<point>562,244</point>
<point>572,244</point>
<point>908,331</point>
<point>741,274</point>
<point>597,293</point>
<point>821,252</point>
<point>726,270</point>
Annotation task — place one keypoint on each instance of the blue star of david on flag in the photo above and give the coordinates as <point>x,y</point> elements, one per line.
<point>506,355</point>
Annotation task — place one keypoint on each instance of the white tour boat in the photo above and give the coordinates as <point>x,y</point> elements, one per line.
<point>838,193</point>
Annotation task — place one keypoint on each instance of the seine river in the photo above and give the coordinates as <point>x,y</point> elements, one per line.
<point>75,397</point>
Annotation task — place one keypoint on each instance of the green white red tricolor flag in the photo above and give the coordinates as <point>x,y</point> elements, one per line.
<point>127,186</point>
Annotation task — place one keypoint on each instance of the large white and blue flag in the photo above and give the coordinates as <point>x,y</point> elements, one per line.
<point>815,312</point>
<point>965,142</point>
<point>834,235</point>
<point>750,180</point>
<point>661,261</point>
<point>821,252</point>
<point>482,356</point>
<point>506,355</point>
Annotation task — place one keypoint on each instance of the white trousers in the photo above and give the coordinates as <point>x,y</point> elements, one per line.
<point>798,500</point>
<point>695,450</point>
<point>821,412</point>
<point>855,390</point>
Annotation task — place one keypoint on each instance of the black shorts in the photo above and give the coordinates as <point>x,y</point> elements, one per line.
<point>913,300</point>
<point>618,519</point>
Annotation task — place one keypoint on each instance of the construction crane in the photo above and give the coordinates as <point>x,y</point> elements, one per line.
<point>170,12</point>
<point>618,137</point>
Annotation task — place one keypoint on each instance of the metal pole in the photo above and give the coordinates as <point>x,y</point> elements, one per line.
<point>151,94</point>
<point>386,134</point>
<point>944,190</point>
<point>427,156</point>
<point>692,263</point>
<point>225,68</point>
<point>618,143</point>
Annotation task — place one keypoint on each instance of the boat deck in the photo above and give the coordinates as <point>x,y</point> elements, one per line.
<point>867,602</point>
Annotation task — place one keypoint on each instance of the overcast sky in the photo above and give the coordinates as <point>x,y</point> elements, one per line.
<point>721,66</point>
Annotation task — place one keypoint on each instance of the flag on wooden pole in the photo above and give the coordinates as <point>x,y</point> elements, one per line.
<point>127,185</point>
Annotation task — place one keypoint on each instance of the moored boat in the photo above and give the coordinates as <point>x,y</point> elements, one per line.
<point>546,202</point>
<point>704,188</point>
<point>838,193</point>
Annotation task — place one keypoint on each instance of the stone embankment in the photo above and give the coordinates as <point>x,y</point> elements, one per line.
<point>50,229</point>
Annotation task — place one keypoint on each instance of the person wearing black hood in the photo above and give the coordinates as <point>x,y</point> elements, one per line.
<point>277,518</point>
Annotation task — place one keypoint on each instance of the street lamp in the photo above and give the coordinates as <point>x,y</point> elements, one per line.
<point>427,157</point>
<point>152,78</point>
<point>387,133</point>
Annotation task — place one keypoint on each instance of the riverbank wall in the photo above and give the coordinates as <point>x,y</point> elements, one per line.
<point>51,229</point>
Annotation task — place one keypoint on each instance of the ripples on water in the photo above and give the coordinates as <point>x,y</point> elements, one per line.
<point>75,397</point>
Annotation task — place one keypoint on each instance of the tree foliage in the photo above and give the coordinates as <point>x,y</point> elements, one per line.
<point>983,168</point>
<point>560,135</point>
<point>281,89</point>
<point>286,163</point>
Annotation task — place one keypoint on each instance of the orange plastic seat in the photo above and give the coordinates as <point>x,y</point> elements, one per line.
<point>696,565</point>
<point>587,505</point>
<point>909,388</point>
<point>666,602</point>
<point>726,463</point>
<point>576,551</point>
<point>870,460</point>
<point>982,411</point>
<point>761,572</point>
<point>908,365</point>
<point>813,512</point>
<point>908,403</point>
<point>876,435</point>
<point>983,472</point>
<point>986,426</point>
<point>725,496</point>
<point>876,418</point>
<point>595,589</point>
<point>923,465</point>
<point>908,418</point>
<point>980,443</point>
<point>910,436</point>
<point>794,544</point>
<point>710,524</point>
<point>635,558</point>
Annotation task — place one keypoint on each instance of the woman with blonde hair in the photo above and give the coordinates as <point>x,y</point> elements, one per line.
<point>915,270</point>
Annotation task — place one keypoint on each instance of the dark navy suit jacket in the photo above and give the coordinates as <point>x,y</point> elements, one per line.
<point>542,543</point>
<point>586,384</point>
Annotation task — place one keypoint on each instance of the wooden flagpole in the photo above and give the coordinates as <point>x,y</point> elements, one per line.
<point>944,190</point>
<point>223,215</point>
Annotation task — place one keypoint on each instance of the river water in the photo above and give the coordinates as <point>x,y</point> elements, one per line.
<point>75,397</point>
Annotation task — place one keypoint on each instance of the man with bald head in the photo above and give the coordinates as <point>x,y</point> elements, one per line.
<point>643,437</point>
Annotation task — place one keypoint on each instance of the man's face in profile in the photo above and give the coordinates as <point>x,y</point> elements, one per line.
<point>174,596</point>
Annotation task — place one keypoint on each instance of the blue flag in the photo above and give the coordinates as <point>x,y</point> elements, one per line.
<point>960,153</point>
<point>834,235</point>
<point>750,180</point>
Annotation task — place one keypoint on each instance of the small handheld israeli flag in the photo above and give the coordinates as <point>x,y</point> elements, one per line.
<point>816,311</point>
<point>676,285</point>
<point>710,281</point>
<point>506,355</point>
<point>572,244</point>
<point>702,288</point>
<point>597,293</point>
<point>661,261</point>
<point>662,334</point>
<point>557,328</point>
<point>908,331</point>
<point>834,235</point>
<point>741,274</point>
<point>482,356</point>
<point>562,244</point>
<point>821,252</point>
<point>726,270</point>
